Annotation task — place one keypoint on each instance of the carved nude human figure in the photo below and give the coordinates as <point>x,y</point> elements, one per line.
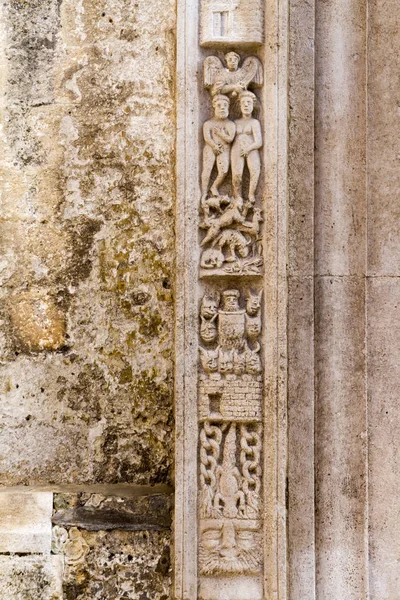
<point>219,133</point>
<point>245,149</point>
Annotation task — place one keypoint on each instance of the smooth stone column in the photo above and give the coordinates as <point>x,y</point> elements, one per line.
<point>301,489</point>
<point>340,212</point>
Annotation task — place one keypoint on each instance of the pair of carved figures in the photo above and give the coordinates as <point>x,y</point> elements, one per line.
<point>231,144</point>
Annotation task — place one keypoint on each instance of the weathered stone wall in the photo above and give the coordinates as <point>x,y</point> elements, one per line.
<point>87,142</point>
<point>87,251</point>
<point>86,271</point>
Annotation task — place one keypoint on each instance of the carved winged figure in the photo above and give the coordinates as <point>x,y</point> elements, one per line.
<point>232,79</point>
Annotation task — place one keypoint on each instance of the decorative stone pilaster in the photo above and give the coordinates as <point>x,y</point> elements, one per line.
<point>229,531</point>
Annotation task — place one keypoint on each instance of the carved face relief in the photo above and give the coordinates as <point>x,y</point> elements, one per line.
<point>232,61</point>
<point>225,361</point>
<point>208,330</point>
<point>253,304</point>
<point>209,307</point>
<point>246,105</point>
<point>253,327</point>
<point>221,107</point>
<point>253,361</point>
<point>243,251</point>
<point>239,362</point>
<point>231,300</point>
<point>229,546</point>
<point>209,360</point>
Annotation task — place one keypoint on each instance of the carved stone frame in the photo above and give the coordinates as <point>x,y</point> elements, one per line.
<point>274,54</point>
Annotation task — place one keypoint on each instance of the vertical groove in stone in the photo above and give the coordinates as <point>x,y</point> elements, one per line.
<point>275,252</point>
<point>185,564</point>
<point>340,207</point>
<point>300,505</point>
<point>383,300</point>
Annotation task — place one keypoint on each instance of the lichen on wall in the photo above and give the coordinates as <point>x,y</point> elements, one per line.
<point>86,230</point>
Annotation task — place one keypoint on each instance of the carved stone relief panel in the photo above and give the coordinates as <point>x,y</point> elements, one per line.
<point>231,22</point>
<point>230,437</point>
<point>231,217</point>
<point>227,190</point>
<point>230,386</point>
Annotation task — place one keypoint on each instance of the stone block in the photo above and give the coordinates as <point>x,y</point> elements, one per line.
<point>25,522</point>
<point>31,578</point>
<point>37,322</point>
<point>116,564</point>
<point>100,513</point>
<point>226,22</point>
<point>384,435</point>
<point>383,147</point>
<point>340,437</point>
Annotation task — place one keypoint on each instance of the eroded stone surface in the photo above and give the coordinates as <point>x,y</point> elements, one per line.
<point>86,233</point>
<point>25,522</point>
<point>95,512</point>
<point>116,564</point>
<point>31,578</point>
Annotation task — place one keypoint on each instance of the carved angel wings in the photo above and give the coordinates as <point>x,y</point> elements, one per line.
<point>220,80</point>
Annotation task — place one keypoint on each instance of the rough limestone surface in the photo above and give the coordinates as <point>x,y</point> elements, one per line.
<point>25,522</point>
<point>86,240</point>
<point>114,564</point>
<point>31,577</point>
